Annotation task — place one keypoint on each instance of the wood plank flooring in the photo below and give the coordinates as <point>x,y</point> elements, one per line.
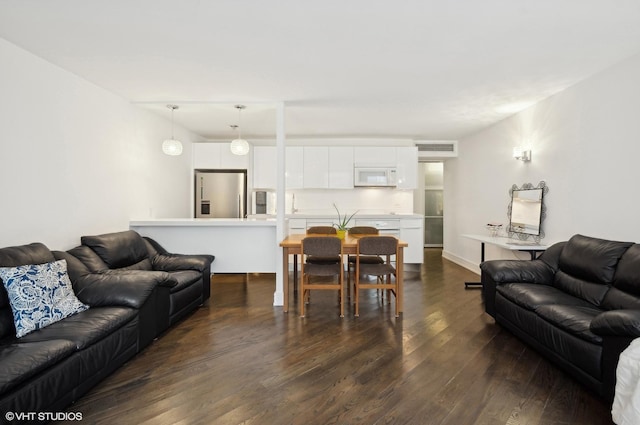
<point>239,360</point>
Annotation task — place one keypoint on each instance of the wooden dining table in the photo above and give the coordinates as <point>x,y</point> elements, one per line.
<point>292,245</point>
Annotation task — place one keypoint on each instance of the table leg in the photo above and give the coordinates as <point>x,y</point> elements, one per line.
<point>467,284</point>
<point>285,278</point>
<point>400,277</point>
<point>295,273</point>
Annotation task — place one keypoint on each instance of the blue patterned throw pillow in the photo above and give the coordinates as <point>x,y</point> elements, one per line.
<point>39,295</point>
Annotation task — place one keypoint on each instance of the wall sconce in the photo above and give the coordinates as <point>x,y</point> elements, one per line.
<point>520,154</point>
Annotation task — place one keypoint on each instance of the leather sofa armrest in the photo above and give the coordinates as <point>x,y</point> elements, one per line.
<point>617,323</point>
<point>129,288</point>
<point>173,262</point>
<point>518,271</point>
<point>496,272</point>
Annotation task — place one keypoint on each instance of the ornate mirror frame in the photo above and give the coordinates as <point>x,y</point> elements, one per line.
<point>543,211</point>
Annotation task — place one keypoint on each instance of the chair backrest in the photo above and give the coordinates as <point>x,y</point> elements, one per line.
<point>363,230</point>
<point>322,246</point>
<point>321,230</point>
<point>377,245</point>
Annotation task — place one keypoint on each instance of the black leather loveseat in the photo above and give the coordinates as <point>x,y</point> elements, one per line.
<point>578,304</point>
<point>186,278</point>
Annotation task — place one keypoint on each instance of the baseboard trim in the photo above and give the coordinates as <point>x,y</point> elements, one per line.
<point>461,262</point>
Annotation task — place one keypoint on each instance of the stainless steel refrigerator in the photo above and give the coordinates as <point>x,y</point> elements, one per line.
<point>221,194</point>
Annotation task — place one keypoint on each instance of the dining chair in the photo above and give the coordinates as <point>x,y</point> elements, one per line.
<point>319,259</point>
<point>368,259</point>
<point>383,246</point>
<point>314,230</point>
<point>321,246</point>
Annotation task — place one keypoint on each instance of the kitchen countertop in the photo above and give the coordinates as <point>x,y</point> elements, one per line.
<point>206,222</point>
<point>366,216</point>
<point>258,220</point>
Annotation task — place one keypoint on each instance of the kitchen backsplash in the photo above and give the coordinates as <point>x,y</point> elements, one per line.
<point>364,200</point>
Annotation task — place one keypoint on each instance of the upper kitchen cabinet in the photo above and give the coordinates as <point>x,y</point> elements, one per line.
<point>316,167</point>
<point>407,167</point>
<point>374,156</point>
<point>265,172</point>
<point>341,167</point>
<point>217,156</point>
<point>294,167</point>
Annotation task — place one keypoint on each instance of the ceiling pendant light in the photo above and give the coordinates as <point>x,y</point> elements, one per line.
<point>172,146</point>
<point>239,146</point>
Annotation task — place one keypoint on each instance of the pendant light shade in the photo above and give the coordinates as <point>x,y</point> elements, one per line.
<point>172,146</point>
<point>239,146</point>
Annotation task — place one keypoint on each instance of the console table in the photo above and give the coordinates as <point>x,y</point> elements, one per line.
<point>532,248</point>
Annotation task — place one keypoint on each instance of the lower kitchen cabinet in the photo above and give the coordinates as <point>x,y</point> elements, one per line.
<point>411,231</point>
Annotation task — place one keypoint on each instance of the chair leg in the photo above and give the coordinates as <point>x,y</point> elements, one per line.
<point>341,290</point>
<point>302,296</point>
<point>356,294</point>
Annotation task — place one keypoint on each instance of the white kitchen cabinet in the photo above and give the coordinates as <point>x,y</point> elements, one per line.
<point>316,167</point>
<point>297,226</point>
<point>411,231</point>
<point>217,156</point>
<point>294,170</point>
<point>374,156</point>
<point>340,167</point>
<point>265,173</point>
<point>407,167</point>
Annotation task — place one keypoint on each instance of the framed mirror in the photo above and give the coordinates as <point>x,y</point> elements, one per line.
<point>527,211</point>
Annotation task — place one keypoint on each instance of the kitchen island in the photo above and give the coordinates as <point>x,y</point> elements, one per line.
<point>240,245</point>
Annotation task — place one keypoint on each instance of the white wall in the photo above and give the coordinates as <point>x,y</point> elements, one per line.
<point>586,146</point>
<point>76,159</point>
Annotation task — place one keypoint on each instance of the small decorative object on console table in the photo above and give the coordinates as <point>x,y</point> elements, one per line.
<point>494,228</point>
<point>343,222</point>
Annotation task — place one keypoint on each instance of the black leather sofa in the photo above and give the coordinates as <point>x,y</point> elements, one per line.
<point>578,304</point>
<point>46,370</point>
<point>134,290</point>
<point>186,282</point>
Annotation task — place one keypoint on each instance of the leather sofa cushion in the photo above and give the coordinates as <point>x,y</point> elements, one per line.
<point>184,278</point>
<point>573,319</point>
<point>35,253</point>
<point>86,328</point>
<point>119,249</point>
<point>531,295</point>
<point>625,292</point>
<point>592,259</point>
<point>20,361</point>
<point>588,291</point>
<point>627,277</point>
<point>620,300</point>
<point>88,258</point>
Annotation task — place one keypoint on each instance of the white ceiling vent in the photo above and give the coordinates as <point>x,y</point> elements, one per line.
<point>431,149</point>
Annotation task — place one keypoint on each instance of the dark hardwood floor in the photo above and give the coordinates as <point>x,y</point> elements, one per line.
<point>239,360</point>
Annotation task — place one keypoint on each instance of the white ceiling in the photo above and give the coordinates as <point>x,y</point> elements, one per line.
<point>416,69</point>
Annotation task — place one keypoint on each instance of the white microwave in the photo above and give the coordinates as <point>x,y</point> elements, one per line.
<point>374,176</point>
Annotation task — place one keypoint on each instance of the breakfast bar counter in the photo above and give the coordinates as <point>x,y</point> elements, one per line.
<point>239,245</point>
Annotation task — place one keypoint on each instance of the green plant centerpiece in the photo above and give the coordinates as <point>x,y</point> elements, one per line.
<point>343,222</point>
